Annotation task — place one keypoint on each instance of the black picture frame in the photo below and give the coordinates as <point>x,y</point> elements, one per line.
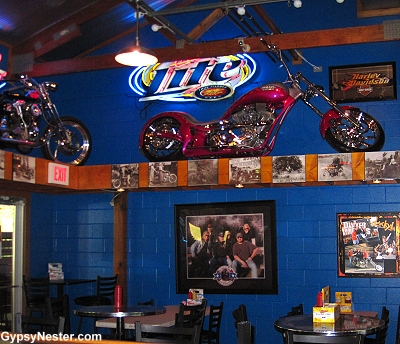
<point>192,219</point>
<point>368,244</point>
<point>363,82</point>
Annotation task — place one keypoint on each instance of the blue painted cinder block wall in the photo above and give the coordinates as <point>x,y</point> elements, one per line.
<point>77,230</point>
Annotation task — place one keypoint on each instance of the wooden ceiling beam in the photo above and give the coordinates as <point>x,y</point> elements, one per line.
<point>206,24</point>
<point>299,40</point>
<point>46,37</point>
<point>163,30</point>
<point>274,28</point>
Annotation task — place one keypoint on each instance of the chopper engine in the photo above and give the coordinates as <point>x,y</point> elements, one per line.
<point>247,127</point>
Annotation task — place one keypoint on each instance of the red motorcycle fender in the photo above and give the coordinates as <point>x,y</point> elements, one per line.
<point>183,118</point>
<point>328,116</point>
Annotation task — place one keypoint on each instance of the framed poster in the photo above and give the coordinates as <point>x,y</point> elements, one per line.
<point>368,244</point>
<point>368,82</point>
<point>209,235</point>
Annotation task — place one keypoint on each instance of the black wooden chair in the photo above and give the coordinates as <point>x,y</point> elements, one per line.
<point>36,290</point>
<point>313,338</point>
<point>31,325</point>
<point>211,334</point>
<point>162,334</point>
<point>104,296</point>
<point>240,316</point>
<point>146,303</point>
<point>190,316</point>
<point>296,310</point>
<point>380,336</point>
<point>5,308</point>
<point>245,332</point>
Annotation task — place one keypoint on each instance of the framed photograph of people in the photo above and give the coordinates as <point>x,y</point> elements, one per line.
<point>368,244</point>
<point>226,247</point>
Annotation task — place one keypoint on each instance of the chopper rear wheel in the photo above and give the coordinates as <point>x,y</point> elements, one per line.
<point>162,140</point>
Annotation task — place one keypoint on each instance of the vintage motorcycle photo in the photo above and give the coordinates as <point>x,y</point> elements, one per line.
<point>251,124</point>
<point>29,119</point>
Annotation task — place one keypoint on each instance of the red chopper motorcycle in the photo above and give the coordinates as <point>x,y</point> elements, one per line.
<point>251,124</point>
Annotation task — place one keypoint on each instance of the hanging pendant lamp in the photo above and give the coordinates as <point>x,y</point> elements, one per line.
<point>136,55</point>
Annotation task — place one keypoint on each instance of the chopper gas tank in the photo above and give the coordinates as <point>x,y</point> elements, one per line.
<point>275,92</point>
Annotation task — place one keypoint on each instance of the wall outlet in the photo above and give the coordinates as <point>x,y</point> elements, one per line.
<point>317,69</point>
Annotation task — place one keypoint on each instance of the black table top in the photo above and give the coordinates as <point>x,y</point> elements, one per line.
<point>124,311</point>
<point>346,324</point>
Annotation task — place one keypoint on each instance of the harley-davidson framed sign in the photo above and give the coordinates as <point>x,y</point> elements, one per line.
<point>367,82</point>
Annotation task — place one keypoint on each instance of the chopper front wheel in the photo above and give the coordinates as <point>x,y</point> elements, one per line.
<point>70,143</point>
<point>344,137</point>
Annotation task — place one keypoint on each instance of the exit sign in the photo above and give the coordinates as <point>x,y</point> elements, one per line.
<point>58,174</point>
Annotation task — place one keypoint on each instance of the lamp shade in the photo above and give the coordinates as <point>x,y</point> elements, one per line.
<point>136,56</point>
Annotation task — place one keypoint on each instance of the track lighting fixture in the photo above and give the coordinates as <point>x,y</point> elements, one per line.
<point>297,3</point>
<point>241,10</point>
<point>156,27</point>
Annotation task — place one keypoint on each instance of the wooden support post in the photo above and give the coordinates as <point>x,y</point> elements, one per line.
<point>121,240</point>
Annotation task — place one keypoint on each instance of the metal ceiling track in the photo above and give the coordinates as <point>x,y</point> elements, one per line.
<point>205,7</point>
<point>146,9</point>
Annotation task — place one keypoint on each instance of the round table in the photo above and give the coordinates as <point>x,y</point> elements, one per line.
<point>347,324</point>
<point>118,313</point>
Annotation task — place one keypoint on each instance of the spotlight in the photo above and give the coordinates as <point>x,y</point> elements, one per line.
<point>156,27</point>
<point>340,1</point>
<point>241,10</point>
<point>297,3</point>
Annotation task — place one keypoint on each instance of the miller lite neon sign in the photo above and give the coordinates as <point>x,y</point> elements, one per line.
<point>207,79</point>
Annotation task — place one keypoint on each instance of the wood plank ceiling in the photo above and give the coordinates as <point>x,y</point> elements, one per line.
<point>58,36</point>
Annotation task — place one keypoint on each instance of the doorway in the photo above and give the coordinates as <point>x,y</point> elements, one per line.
<point>11,259</point>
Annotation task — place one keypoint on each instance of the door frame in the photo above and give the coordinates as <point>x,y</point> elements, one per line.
<point>21,252</point>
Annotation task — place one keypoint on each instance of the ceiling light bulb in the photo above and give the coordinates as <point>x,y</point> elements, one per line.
<point>297,3</point>
<point>156,27</point>
<point>340,1</point>
<point>241,10</point>
<point>136,56</point>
